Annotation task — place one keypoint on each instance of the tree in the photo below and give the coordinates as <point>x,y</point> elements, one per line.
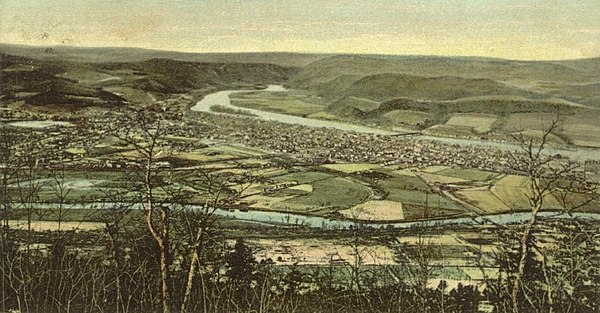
<point>145,134</point>
<point>165,193</point>
<point>548,175</point>
<point>196,225</point>
<point>464,299</point>
<point>241,264</point>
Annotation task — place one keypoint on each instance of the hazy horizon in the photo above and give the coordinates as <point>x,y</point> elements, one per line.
<point>519,30</point>
<point>291,52</point>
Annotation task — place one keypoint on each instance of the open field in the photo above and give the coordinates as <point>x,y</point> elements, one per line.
<point>375,211</point>
<point>304,177</point>
<point>322,115</point>
<point>333,194</point>
<point>467,173</point>
<point>481,123</point>
<point>351,167</point>
<point>408,117</point>
<point>51,226</point>
<point>513,190</point>
<point>523,121</point>
<point>441,179</point>
<point>450,130</point>
<point>362,104</point>
<point>299,104</point>
<point>585,135</point>
<point>483,199</point>
<point>407,182</point>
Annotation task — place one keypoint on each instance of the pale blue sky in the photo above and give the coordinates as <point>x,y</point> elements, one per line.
<point>510,29</point>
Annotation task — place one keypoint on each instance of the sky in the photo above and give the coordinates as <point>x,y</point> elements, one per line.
<point>525,29</point>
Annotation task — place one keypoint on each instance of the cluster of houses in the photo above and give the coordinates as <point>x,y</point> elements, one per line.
<point>326,145</point>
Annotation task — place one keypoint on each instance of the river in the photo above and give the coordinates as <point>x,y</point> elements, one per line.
<point>222,98</point>
<point>291,219</point>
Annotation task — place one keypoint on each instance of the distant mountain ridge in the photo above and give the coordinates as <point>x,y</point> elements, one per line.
<point>122,55</point>
<point>497,69</point>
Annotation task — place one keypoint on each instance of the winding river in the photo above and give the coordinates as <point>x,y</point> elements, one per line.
<point>221,98</point>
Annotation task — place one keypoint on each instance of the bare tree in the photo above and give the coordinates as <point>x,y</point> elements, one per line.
<point>416,266</point>
<point>216,191</point>
<point>8,170</point>
<point>549,175</point>
<point>145,135</point>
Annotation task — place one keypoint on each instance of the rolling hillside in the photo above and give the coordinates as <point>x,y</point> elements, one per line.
<point>496,69</point>
<point>381,87</point>
<point>444,78</point>
<point>459,96</point>
<point>76,85</point>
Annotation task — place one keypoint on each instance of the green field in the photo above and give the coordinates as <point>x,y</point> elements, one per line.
<point>483,199</point>
<point>332,194</point>
<point>481,123</point>
<point>351,167</point>
<point>408,117</point>
<point>304,177</point>
<point>467,173</point>
<point>299,104</point>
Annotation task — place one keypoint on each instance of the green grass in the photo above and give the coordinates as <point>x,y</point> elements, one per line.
<point>362,104</point>
<point>351,167</point>
<point>419,197</point>
<point>450,130</point>
<point>334,193</point>
<point>483,199</point>
<point>303,177</point>
<point>408,117</point>
<point>467,173</point>
<point>403,182</point>
<point>481,123</point>
<point>414,191</point>
<point>292,104</point>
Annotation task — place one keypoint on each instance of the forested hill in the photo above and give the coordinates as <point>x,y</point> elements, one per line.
<point>76,84</point>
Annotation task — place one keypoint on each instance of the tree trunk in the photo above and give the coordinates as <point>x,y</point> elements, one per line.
<point>524,252</point>
<point>191,273</point>
<point>164,279</point>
